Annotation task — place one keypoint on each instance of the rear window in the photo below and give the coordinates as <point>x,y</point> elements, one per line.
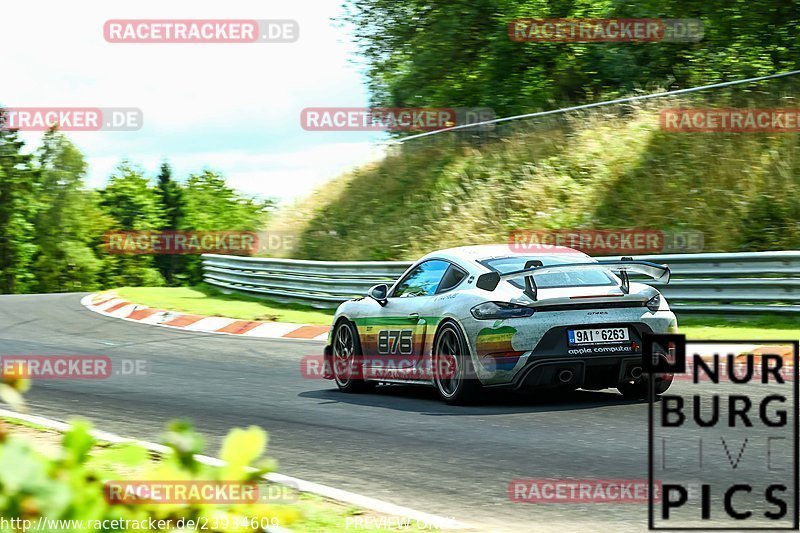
<point>552,280</point>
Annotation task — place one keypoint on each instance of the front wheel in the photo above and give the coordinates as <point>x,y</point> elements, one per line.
<point>346,359</point>
<point>454,375</point>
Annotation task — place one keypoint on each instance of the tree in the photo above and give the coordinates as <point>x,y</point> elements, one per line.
<point>53,228</point>
<point>458,53</point>
<point>63,224</point>
<point>171,200</point>
<point>211,205</point>
<point>17,209</point>
<point>129,199</point>
<point>132,205</point>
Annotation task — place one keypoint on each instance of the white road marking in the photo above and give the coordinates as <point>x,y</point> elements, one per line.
<point>109,304</point>
<point>272,329</point>
<point>210,323</point>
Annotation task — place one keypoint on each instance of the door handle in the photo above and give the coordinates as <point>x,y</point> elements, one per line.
<point>413,315</point>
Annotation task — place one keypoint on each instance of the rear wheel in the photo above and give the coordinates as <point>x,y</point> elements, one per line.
<point>639,389</point>
<point>346,359</point>
<point>453,372</point>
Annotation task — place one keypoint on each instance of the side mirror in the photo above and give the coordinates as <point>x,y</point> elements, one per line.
<point>379,293</point>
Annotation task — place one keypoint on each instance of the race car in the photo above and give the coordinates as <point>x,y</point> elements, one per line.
<point>475,317</point>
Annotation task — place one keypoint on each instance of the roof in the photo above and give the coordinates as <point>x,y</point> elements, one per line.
<point>487,251</point>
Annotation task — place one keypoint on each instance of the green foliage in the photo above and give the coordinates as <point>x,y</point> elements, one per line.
<point>70,485</point>
<point>458,53</point>
<point>606,169</point>
<point>64,256</point>
<point>52,227</point>
<point>129,199</point>
<point>211,205</point>
<point>17,209</point>
<point>170,196</point>
<point>12,388</point>
<point>133,205</point>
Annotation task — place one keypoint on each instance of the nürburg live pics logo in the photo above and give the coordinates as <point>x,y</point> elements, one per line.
<point>723,442</point>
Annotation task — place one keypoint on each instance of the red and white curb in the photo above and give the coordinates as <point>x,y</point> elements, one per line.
<point>431,521</point>
<point>110,304</point>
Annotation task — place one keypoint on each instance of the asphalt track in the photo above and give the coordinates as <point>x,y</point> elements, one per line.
<point>399,444</point>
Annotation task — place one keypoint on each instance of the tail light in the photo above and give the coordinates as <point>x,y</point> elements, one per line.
<point>500,310</point>
<point>654,303</point>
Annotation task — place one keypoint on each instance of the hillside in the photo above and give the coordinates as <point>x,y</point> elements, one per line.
<point>606,169</point>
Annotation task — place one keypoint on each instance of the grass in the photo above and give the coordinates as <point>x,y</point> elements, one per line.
<point>758,328</point>
<point>605,169</point>
<point>205,300</point>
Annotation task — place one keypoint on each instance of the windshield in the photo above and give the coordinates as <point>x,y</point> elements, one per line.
<point>552,280</point>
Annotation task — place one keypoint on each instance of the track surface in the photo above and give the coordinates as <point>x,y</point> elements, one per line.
<point>399,444</point>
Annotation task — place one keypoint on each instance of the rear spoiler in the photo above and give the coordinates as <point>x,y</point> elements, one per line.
<point>621,267</point>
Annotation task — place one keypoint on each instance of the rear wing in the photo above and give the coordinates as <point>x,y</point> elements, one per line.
<point>621,267</point>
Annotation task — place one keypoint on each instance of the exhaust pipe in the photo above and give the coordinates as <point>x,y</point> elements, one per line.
<point>636,372</point>
<point>565,376</point>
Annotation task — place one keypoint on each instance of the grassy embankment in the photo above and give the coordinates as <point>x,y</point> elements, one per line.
<point>594,170</point>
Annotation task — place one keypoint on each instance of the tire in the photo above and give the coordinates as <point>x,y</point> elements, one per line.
<point>346,359</point>
<point>640,389</point>
<point>454,375</point>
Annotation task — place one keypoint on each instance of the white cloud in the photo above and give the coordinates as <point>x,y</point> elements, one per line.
<point>285,175</point>
<point>232,107</point>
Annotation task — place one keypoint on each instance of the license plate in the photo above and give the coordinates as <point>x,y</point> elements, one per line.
<point>597,336</point>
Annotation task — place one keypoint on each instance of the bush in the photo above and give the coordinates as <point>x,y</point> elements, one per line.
<point>70,485</point>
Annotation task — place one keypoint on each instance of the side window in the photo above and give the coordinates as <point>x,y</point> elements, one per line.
<point>452,277</point>
<point>423,280</point>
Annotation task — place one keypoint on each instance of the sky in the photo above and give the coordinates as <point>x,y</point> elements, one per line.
<point>232,108</point>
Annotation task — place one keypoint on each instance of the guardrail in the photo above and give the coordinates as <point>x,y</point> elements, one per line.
<point>323,284</point>
<point>749,282</point>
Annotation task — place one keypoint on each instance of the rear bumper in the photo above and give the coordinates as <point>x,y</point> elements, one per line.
<point>586,372</point>
<point>592,366</point>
